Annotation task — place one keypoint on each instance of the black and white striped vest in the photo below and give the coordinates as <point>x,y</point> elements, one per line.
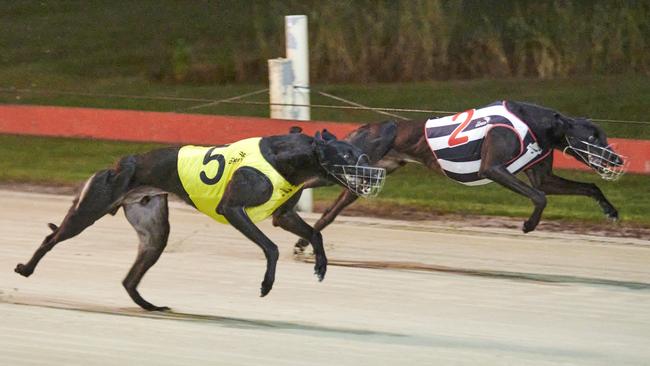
<point>456,142</point>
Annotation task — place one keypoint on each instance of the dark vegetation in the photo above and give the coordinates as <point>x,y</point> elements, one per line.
<point>350,41</point>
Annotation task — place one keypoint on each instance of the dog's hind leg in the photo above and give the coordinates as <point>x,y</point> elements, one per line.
<point>101,195</point>
<point>149,218</point>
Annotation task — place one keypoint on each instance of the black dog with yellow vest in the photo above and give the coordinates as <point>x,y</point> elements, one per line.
<point>240,184</point>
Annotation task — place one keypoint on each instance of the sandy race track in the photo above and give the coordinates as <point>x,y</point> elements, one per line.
<point>396,293</point>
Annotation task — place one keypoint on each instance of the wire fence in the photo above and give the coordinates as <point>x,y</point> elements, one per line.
<point>239,99</point>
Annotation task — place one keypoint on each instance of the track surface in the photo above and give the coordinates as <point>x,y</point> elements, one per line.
<point>396,293</point>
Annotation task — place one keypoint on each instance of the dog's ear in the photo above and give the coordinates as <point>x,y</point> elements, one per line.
<point>295,129</point>
<point>560,125</point>
<point>328,136</point>
<point>319,146</point>
<point>318,138</point>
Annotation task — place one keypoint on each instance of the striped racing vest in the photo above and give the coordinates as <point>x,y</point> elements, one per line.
<point>456,142</point>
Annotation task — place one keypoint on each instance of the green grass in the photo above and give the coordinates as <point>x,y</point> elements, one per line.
<point>71,161</point>
<point>59,160</point>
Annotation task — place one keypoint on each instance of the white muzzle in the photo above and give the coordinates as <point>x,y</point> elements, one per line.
<point>365,181</point>
<point>603,160</point>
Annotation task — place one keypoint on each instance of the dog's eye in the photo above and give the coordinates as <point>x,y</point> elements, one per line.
<point>591,139</point>
<point>346,156</point>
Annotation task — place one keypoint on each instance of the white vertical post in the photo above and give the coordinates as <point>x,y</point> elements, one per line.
<point>297,48</point>
<point>280,87</point>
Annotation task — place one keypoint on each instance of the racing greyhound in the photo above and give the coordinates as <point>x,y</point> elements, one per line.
<point>239,184</point>
<point>490,144</point>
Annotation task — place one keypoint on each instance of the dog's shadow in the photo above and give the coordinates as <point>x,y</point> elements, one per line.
<point>16,298</point>
<point>543,278</point>
<point>260,324</point>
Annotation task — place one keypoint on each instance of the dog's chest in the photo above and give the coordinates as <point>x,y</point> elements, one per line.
<point>456,141</point>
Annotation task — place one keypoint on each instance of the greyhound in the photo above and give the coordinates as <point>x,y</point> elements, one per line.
<point>490,144</point>
<point>240,184</point>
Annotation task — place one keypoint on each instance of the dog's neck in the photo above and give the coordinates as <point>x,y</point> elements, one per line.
<point>556,133</point>
<point>293,156</point>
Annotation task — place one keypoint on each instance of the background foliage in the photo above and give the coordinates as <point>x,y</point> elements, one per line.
<point>351,41</point>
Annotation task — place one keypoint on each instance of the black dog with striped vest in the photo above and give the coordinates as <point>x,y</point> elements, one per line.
<point>490,144</point>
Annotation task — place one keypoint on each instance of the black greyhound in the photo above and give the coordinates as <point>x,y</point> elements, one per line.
<point>471,157</point>
<point>241,183</point>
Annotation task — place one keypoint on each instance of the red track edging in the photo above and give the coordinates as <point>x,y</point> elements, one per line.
<point>143,126</point>
<point>168,127</point>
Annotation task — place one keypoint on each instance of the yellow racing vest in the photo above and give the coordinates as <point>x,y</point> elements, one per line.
<point>206,171</point>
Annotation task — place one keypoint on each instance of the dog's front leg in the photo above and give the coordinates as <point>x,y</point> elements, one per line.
<point>288,219</point>
<point>558,185</point>
<point>499,147</point>
<point>238,218</point>
<point>346,198</point>
<point>541,176</point>
<point>248,188</point>
<point>502,176</point>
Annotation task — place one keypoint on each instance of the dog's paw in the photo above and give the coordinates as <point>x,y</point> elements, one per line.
<point>300,246</point>
<point>528,226</point>
<point>320,269</point>
<point>612,216</point>
<point>160,308</point>
<point>266,288</point>
<point>151,307</point>
<point>22,270</point>
<point>298,251</point>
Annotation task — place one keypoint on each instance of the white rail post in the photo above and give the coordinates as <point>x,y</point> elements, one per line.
<point>297,48</point>
<point>280,87</point>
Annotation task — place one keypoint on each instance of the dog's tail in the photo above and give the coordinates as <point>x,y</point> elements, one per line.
<point>101,194</point>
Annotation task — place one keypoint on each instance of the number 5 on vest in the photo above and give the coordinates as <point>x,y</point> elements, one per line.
<point>222,165</point>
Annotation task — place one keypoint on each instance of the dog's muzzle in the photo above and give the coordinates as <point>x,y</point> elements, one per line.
<point>365,181</point>
<point>608,164</point>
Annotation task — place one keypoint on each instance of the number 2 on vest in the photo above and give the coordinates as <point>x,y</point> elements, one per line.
<point>454,139</point>
<point>222,165</point>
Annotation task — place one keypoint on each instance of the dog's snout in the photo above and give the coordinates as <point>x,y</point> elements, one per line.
<point>618,160</point>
